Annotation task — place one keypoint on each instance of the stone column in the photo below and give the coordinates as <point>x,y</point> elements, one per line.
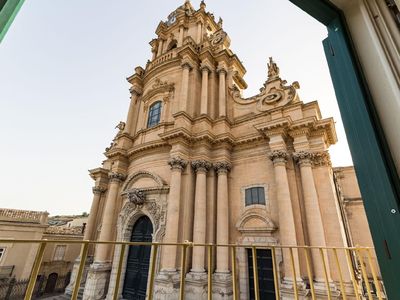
<point>133,112</point>
<point>222,92</point>
<point>180,38</point>
<point>97,191</point>
<point>205,70</point>
<point>199,227</point>
<point>107,226</point>
<point>222,169</point>
<point>316,235</point>
<point>330,212</point>
<point>186,66</point>
<point>174,198</point>
<point>199,33</point>
<point>160,47</point>
<point>287,227</point>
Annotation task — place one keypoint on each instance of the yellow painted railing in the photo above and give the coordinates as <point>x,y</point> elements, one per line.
<point>362,272</point>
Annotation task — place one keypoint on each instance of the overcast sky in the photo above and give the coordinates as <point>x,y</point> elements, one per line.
<point>63,89</point>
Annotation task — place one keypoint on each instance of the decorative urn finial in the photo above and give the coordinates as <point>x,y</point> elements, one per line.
<point>202,5</point>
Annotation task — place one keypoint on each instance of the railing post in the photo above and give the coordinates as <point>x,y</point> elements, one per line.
<point>84,251</point>
<point>255,273</point>
<point>209,275</point>
<point>295,290</point>
<point>234,275</point>
<point>276,277</point>
<point>120,262</point>
<point>183,270</point>
<point>35,270</point>
<point>309,272</point>
<point>328,289</point>
<point>152,269</point>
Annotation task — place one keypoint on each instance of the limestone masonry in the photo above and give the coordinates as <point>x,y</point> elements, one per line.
<point>196,161</point>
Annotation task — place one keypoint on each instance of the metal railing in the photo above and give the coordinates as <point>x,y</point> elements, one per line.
<point>359,265</point>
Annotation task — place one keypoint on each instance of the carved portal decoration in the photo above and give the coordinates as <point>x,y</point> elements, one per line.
<point>136,196</point>
<point>159,87</point>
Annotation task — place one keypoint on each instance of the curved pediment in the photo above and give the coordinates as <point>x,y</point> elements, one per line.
<point>143,180</point>
<point>255,222</point>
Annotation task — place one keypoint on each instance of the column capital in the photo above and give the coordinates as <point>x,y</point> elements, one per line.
<point>303,158</point>
<point>135,90</point>
<point>116,177</point>
<point>187,64</point>
<point>222,70</point>
<point>278,157</point>
<point>98,190</point>
<point>177,163</point>
<point>201,165</point>
<point>222,167</point>
<point>321,159</point>
<point>205,67</point>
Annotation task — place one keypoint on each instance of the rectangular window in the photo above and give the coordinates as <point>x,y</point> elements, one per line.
<point>254,195</point>
<point>59,253</point>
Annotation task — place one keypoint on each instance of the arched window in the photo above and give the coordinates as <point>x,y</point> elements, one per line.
<point>255,195</point>
<point>154,114</point>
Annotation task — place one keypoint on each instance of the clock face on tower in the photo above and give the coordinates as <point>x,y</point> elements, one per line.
<point>171,18</point>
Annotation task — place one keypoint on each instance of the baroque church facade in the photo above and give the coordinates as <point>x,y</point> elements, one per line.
<point>195,161</point>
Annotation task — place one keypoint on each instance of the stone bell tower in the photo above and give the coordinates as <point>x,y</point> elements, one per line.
<point>196,161</point>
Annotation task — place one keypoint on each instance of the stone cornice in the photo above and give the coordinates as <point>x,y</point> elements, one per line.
<point>201,165</point>
<point>116,152</point>
<point>116,177</point>
<point>146,146</point>
<point>177,163</point>
<point>222,167</point>
<point>98,173</point>
<point>278,157</point>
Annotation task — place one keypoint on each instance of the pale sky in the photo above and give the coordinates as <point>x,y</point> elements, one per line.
<point>63,88</point>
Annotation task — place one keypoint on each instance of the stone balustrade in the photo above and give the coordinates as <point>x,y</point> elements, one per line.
<point>37,217</point>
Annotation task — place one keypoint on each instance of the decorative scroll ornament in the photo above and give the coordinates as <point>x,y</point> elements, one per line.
<point>136,196</point>
<point>201,165</point>
<point>158,83</point>
<point>218,37</point>
<point>177,163</point>
<point>278,157</point>
<point>274,93</point>
<point>222,167</point>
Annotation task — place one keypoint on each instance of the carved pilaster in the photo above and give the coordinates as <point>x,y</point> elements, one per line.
<point>278,157</point>
<point>222,71</point>
<point>204,67</point>
<point>222,167</point>
<point>187,65</point>
<point>177,163</point>
<point>303,158</point>
<point>201,165</point>
<point>116,177</point>
<point>322,159</point>
<point>98,190</point>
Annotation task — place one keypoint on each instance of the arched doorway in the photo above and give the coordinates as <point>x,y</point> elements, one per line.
<point>137,266</point>
<point>51,283</point>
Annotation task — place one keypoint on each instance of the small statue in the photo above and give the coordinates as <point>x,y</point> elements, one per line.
<point>220,21</point>
<point>120,126</point>
<point>273,69</point>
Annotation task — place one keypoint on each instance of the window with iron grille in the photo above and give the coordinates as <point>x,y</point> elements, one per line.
<point>154,114</point>
<point>255,195</point>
